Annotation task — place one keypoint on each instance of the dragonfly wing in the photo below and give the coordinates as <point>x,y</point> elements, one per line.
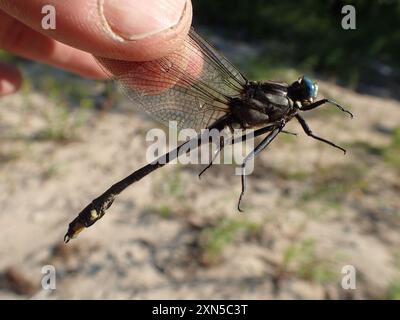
<point>191,86</point>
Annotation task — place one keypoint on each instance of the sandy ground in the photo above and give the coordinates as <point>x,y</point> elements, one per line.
<point>309,210</point>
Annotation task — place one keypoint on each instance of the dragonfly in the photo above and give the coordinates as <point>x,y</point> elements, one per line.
<point>199,88</point>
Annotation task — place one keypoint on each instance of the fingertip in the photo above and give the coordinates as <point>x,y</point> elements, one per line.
<point>10,79</point>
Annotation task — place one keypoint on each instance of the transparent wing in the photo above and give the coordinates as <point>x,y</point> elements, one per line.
<point>191,86</point>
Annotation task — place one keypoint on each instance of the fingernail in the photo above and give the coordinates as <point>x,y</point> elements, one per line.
<point>139,19</point>
<point>7,87</point>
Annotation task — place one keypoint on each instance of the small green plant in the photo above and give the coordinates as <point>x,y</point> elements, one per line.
<point>394,291</point>
<point>391,153</point>
<point>52,171</point>
<point>163,211</point>
<point>366,147</point>
<point>69,88</point>
<point>214,239</point>
<point>332,183</point>
<point>10,155</point>
<point>171,185</point>
<point>61,125</point>
<point>69,104</point>
<point>302,260</point>
<point>289,174</point>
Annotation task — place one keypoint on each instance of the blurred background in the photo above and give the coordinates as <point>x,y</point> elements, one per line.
<point>310,211</point>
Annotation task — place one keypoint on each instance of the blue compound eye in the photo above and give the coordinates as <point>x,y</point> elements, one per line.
<point>312,88</point>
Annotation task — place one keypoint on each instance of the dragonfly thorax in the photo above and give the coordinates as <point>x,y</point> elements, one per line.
<point>262,103</point>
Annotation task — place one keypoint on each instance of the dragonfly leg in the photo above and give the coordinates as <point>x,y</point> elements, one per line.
<point>242,138</point>
<point>220,147</point>
<point>319,103</point>
<point>309,132</point>
<point>267,140</point>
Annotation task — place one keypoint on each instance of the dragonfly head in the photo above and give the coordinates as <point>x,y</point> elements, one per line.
<point>303,91</point>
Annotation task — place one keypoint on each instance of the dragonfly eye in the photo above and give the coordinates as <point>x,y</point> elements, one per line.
<point>303,90</point>
<point>311,87</point>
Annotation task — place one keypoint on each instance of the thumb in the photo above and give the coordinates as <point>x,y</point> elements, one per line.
<point>134,30</point>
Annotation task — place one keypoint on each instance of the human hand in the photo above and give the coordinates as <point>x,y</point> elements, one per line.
<point>133,30</point>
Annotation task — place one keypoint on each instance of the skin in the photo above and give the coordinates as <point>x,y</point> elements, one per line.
<point>132,30</point>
